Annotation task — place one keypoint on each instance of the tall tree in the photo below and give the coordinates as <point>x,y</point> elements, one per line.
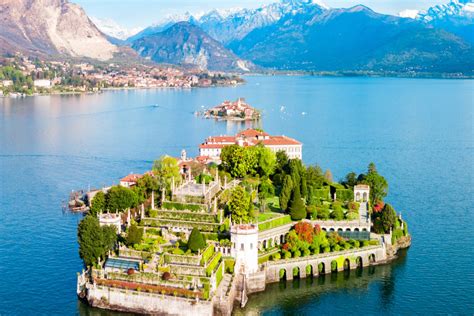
<point>94,241</point>
<point>98,203</point>
<point>297,207</point>
<point>378,184</point>
<point>328,176</point>
<point>239,205</point>
<point>134,235</point>
<point>285,193</point>
<point>166,169</point>
<point>120,198</point>
<point>350,179</point>
<point>148,183</point>
<point>266,161</point>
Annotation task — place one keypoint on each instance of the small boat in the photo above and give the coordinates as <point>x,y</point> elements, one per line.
<point>303,113</point>
<point>155,106</point>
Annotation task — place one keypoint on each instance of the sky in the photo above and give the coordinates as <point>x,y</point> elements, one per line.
<point>142,13</point>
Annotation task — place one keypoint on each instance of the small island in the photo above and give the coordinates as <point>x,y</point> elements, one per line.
<point>237,111</point>
<point>194,235</point>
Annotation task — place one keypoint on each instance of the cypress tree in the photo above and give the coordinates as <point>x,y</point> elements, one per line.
<point>196,240</point>
<point>285,193</point>
<point>297,207</point>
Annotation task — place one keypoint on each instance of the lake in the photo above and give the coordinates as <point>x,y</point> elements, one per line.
<point>419,133</point>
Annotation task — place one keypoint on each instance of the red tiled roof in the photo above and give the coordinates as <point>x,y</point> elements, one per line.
<point>280,140</point>
<point>212,145</point>
<point>221,139</point>
<point>252,133</point>
<point>131,178</point>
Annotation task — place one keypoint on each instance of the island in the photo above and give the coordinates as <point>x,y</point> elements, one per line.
<point>238,110</point>
<point>192,236</point>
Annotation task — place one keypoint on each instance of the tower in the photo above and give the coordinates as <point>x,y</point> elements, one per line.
<point>244,238</point>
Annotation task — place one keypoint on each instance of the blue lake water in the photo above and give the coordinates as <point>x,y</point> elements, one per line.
<point>418,132</point>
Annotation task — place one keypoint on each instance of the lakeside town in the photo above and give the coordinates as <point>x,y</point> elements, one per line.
<point>21,75</point>
<point>197,235</point>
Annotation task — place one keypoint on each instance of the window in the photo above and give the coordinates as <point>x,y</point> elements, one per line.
<point>251,246</point>
<point>242,247</point>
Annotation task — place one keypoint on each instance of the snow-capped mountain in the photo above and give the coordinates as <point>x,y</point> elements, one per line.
<point>234,24</point>
<point>113,29</point>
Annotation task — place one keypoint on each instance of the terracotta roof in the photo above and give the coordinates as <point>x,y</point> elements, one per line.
<point>131,178</point>
<point>212,145</point>
<point>280,140</point>
<point>252,133</point>
<point>221,139</point>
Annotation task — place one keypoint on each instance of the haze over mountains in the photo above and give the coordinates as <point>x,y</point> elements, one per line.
<point>288,35</point>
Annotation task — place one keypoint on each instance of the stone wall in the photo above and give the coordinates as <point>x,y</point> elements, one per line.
<point>145,303</point>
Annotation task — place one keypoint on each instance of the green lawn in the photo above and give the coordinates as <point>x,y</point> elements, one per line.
<point>273,204</point>
<point>266,216</point>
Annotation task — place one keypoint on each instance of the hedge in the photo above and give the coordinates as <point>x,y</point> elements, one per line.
<point>213,263</point>
<point>203,227</point>
<point>396,234</point>
<point>229,265</point>
<point>344,195</point>
<point>207,254</point>
<point>276,222</point>
<point>219,273</point>
<point>189,216</point>
<point>321,193</point>
<point>184,206</point>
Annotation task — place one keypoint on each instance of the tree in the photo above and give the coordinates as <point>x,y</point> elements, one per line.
<point>166,169</point>
<point>388,218</point>
<point>239,205</point>
<point>328,176</point>
<point>94,241</point>
<point>285,193</point>
<point>196,240</point>
<point>314,177</point>
<point>266,189</point>
<point>148,183</point>
<point>266,161</point>
<point>120,198</point>
<point>378,184</point>
<point>350,180</point>
<point>297,207</point>
<point>134,235</point>
<point>337,214</point>
<point>97,203</point>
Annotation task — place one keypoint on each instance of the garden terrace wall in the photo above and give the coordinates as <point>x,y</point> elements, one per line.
<point>187,270</point>
<point>274,222</point>
<point>189,225</point>
<point>190,207</point>
<point>187,216</point>
<point>149,278</point>
<point>183,259</point>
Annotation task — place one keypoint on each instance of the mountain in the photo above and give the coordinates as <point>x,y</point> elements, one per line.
<point>187,44</point>
<point>234,24</point>
<point>456,17</point>
<point>51,27</point>
<point>113,29</point>
<point>354,39</point>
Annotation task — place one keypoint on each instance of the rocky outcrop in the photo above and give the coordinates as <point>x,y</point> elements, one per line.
<point>49,27</point>
<point>402,243</point>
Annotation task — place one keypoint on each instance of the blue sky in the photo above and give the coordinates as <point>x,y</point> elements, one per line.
<point>141,13</point>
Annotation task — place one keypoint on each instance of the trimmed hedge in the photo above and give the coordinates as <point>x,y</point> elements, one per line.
<point>396,234</point>
<point>344,195</point>
<point>279,221</point>
<point>213,263</point>
<point>184,206</point>
<point>207,254</point>
<point>219,273</point>
<point>189,216</point>
<point>321,193</point>
<point>229,265</point>
<point>203,227</point>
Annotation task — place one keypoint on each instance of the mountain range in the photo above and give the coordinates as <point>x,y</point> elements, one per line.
<point>296,35</point>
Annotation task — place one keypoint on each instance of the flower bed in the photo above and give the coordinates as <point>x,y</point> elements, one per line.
<point>158,289</point>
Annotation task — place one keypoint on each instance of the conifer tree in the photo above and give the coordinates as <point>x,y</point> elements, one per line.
<point>196,240</point>
<point>285,193</point>
<point>297,207</point>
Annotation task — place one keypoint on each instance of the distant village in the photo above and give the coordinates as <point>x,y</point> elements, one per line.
<point>237,110</point>
<point>21,75</point>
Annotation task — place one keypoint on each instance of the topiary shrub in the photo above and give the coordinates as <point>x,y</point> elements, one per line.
<point>297,207</point>
<point>322,213</point>
<point>352,216</point>
<point>276,256</point>
<point>196,241</point>
<point>337,214</point>
<point>311,211</point>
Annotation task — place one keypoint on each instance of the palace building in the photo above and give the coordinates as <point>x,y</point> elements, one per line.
<point>213,145</point>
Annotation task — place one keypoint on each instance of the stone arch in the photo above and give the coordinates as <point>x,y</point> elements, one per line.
<point>282,274</point>
<point>364,197</point>
<point>282,239</point>
<point>331,229</point>
<point>334,266</point>
<point>348,229</point>
<point>324,228</point>
<point>359,262</point>
<point>347,264</point>
<point>372,258</point>
<point>356,229</point>
<point>264,244</point>
<point>321,268</point>
<point>339,229</point>
<point>357,196</point>
<point>296,272</point>
<point>309,270</point>
<point>364,229</point>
